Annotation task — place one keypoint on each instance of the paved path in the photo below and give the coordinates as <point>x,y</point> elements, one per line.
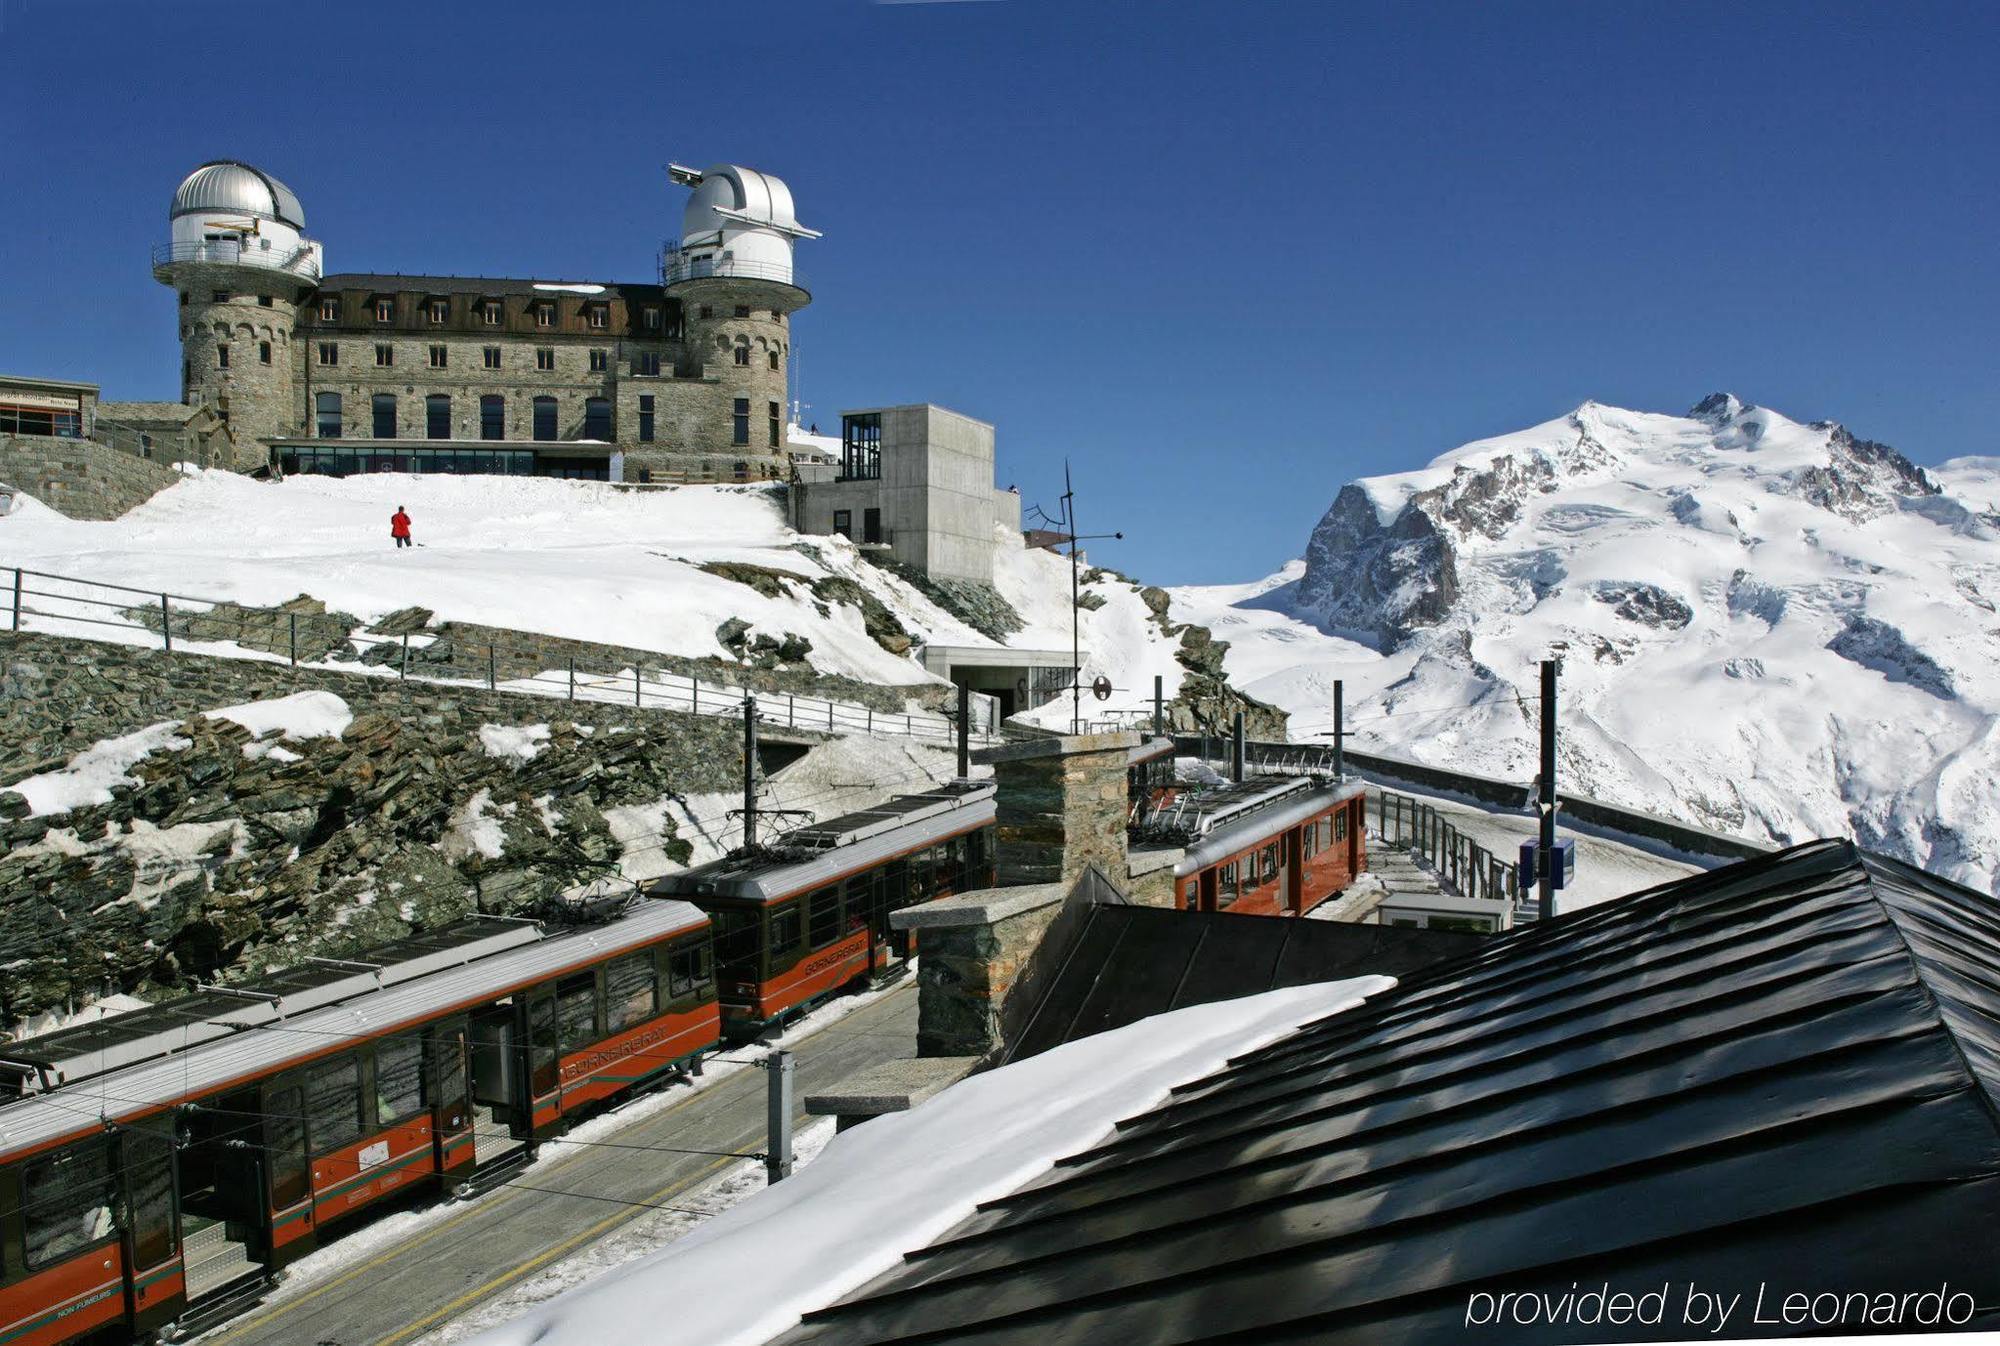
<point>396,1294</point>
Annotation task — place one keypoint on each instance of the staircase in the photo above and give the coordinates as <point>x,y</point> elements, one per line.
<point>212,1259</point>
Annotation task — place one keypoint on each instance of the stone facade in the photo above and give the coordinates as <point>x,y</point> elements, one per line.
<point>975,946</point>
<point>81,478</point>
<point>1061,807</point>
<point>226,855</point>
<point>236,350</point>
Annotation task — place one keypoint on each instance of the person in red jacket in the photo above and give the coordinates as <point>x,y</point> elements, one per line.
<point>399,527</point>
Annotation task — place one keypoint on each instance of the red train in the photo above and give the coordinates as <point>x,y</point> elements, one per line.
<point>163,1160</point>
<point>809,917</point>
<point>1273,846</point>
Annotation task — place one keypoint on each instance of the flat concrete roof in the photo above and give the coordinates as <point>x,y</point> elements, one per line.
<point>916,406</point>
<point>995,656</point>
<point>54,385</point>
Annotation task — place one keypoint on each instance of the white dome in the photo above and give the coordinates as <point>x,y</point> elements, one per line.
<point>225,184</point>
<point>733,197</point>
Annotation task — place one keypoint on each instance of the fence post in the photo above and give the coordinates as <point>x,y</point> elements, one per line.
<point>907,728</point>
<point>829,715</point>
<point>778,1117</point>
<point>295,639</point>
<point>871,719</point>
<point>638,697</point>
<point>694,695</point>
<point>17,598</point>
<point>571,662</point>
<point>166,624</point>
<point>406,655</point>
<point>492,670</point>
<point>791,717</point>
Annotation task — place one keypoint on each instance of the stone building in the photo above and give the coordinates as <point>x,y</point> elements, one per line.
<point>336,373</point>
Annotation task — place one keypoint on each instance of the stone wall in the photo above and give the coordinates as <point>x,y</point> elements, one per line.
<point>224,855</point>
<point>1061,806</point>
<point>79,477</point>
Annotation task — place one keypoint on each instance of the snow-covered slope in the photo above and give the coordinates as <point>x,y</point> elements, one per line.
<point>1772,628</point>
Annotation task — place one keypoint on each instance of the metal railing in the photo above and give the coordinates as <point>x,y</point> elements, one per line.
<point>300,261</point>
<point>678,264</point>
<point>1460,863</point>
<point>53,604</point>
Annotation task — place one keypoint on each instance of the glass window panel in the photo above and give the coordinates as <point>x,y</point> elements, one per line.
<point>67,1203</point>
<point>399,1077</point>
<point>333,1102</point>
<point>630,990</point>
<point>285,1141</point>
<point>823,917</point>
<point>576,1011</point>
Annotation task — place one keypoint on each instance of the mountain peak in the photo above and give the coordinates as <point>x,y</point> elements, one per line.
<point>1718,408</point>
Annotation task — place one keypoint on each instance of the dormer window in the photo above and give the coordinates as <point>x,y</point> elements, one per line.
<point>545,315</point>
<point>491,311</point>
<point>439,311</point>
<point>599,315</point>
<point>649,318</point>
<point>329,310</point>
<point>385,310</point>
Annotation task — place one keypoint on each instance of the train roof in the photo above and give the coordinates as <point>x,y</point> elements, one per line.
<point>819,853</point>
<point>1228,819</point>
<point>79,1107</point>
<point>1150,750</point>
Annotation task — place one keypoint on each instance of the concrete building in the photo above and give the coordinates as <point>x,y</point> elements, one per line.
<point>57,445</point>
<point>916,481</point>
<point>373,371</point>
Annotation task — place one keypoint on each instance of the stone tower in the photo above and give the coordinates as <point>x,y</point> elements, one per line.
<point>240,262</point>
<point>731,270</point>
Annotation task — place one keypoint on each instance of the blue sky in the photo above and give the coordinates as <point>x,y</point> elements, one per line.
<point>1223,257</point>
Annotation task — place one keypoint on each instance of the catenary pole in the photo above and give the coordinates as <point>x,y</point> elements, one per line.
<point>749,773</point>
<point>1339,732</point>
<point>778,1116</point>
<point>964,731</point>
<point>1546,854</point>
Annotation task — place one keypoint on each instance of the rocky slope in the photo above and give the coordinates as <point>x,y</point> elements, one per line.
<point>1771,628</point>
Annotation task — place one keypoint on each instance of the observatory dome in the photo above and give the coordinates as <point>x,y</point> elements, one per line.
<point>225,184</point>
<point>733,197</point>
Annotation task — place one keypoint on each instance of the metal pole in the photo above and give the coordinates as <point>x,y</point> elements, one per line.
<point>295,640</point>
<point>871,719</point>
<point>1075,613</point>
<point>1339,731</point>
<point>406,655</point>
<point>166,624</point>
<point>492,670</point>
<point>638,697</point>
<point>749,773</point>
<point>571,662</point>
<point>17,598</point>
<point>1236,750</point>
<point>778,1117</point>
<point>1159,705</point>
<point>694,695</point>
<point>791,710</point>
<point>1545,858</point>
<point>964,731</point>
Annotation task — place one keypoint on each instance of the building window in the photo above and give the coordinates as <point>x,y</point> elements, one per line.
<point>326,413</point>
<point>545,315</point>
<point>843,522</point>
<point>743,354</point>
<point>742,310</point>
<point>437,416</point>
<point>385,415</point>
<point>263,352</point>
<point>264,301</point>
<point>218,296</point>
<point>597,418</point>
<point>740,422</point>
<point>329,352</point>
<point>222,357</point>
<point>545,357</point>
<point>777,417</point>
<point>385,310</point>
<point>645,418</point>
<point>385,356</point>
<point>492,357</point>
<point>707,312</point>
<point>491,310</point>
<point>649,318</point>
<point>437,357</point>
<point>647,363</point>
<point>772,356</point>
<point>545,418</point>
<point>861,447</point>
<point>599,315</point>
<point>871,525</point>
<point>645,476</point>
<point>600,361</point>
<point>492,417</point>
<point>440,310</point>
<point>329,310</point>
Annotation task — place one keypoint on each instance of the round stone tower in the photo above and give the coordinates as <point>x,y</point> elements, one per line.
<point>731,270</point>
<point>240,262</point>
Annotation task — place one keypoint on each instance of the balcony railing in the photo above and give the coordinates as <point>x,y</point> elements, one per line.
<point>301,261</point>
<point>678,264</point>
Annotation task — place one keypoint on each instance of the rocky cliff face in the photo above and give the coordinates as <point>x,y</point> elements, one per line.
<point>1767,627</point>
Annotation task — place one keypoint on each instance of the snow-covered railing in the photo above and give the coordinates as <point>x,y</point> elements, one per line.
<point>181,623</point>
<point>1461,864</point>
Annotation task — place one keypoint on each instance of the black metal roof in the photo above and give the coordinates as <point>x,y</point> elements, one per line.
<point>1779,1074</point>
<point>1127,963</point>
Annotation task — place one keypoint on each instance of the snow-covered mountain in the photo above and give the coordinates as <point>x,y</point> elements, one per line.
<point>1772,628</point>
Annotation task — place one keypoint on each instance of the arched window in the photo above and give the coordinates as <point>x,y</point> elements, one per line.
<point>385,415</point>
<point>437,416</point>
<point>597,418</point>
<point>493,416</point>
<point>545,418</point>
<point>327,409</point>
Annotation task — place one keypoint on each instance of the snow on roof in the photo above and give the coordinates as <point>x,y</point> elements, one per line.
<point>893,1185</point>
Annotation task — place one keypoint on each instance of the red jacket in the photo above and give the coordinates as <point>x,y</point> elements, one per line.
<point>399,524</point>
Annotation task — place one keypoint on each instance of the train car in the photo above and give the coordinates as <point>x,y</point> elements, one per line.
<point>1266,847</point>
<point>155,1163</point>
<point>1150,782</point>
<point>807,917</point>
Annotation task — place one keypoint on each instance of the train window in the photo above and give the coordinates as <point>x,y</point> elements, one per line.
<point>1325,830</point>
<point>736,937</point>
<point>576,1011</point>
<point>631,990</point>
<point>67,1202</point>
<point>1308,842</point>
<point>785,929</point>
<point>687,969</point>
<point>1340,826</point>
<point>285,1139</point>
<point>333,1102</point>
<point>1225,887</point>
<point>149,1169</point>
<point>1269,873</point>
<point>823,917</point>
<point>542,1044</point>
<point>399,1078</point>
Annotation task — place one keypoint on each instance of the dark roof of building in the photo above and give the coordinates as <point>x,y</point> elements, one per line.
<point>1125,963</point>
<point>1781,1073</point>
<point>482,285</point>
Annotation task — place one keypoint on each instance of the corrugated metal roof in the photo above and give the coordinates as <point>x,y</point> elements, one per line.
<point>43,1119</point>
<point>1223,836</point>
<point>1778,1074</point>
